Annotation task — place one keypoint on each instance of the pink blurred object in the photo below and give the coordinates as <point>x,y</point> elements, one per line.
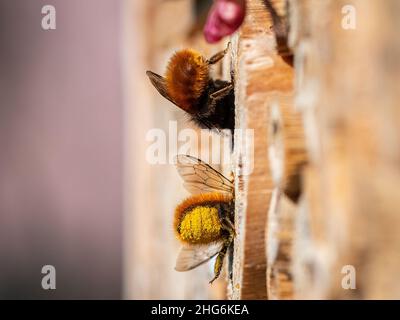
<point>224,18</point>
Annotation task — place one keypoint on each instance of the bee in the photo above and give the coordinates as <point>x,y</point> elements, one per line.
<point>204,221</point>
<point>188,84</point>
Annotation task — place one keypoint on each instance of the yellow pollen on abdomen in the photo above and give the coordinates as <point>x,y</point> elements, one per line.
<point>200,225</point>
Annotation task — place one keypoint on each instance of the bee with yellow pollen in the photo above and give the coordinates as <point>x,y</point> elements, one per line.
<point>204,221</point>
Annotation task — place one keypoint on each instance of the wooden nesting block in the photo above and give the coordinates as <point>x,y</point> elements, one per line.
<point>375,258</point>
<point>261,75</point>
<point>286,146</point>
<point>349,100</point>
<point>279,12</point>
<point>312,254</point>
<point>364,110</point>
<point>279,240</point>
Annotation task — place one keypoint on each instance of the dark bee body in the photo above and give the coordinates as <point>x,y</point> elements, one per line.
<point>220,115</point>
<point>188,84</point>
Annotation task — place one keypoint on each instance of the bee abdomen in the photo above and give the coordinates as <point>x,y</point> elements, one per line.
<point>200,225</point>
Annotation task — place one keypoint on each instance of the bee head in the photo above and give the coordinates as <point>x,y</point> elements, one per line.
<point>187,77</point>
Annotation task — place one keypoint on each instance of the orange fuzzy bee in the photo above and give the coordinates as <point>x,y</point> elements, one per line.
<point>204,221</point>
<point>188,84</point>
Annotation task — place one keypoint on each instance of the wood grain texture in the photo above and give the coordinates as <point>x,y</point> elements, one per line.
<point>261,77</point>
<point>286,146</point>
<point>279,242</point>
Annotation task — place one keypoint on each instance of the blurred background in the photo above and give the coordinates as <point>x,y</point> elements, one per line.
<point>76,191</point>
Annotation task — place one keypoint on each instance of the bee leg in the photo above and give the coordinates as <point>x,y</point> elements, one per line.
<point>212,104</point>
<point>230,262</point>
<point>219,55</point>
<point>217,95</point>
<point>219,263</point>
<point>220,258</point>
<point>228,225</point>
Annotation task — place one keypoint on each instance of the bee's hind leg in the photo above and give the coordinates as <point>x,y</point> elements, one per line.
<point>219,262</point>
<point>221,255</point>
<point>219,55</point>
<point>218,95</point>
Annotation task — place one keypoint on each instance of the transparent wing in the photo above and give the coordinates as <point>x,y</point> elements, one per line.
<point>199,177</point>
<point>190,257</point>
<point>159,83</point>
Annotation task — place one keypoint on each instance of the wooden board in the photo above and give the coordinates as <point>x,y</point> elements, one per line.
<point>261,77</point>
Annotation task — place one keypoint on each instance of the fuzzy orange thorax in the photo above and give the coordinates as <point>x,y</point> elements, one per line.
<point>187,77</point>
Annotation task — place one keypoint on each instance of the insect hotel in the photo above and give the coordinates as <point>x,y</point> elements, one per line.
<point>316,177</point>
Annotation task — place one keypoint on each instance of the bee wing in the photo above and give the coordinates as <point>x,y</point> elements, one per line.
<point>190,257</point>
<point>159,83</point>
<point>199,177</point>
